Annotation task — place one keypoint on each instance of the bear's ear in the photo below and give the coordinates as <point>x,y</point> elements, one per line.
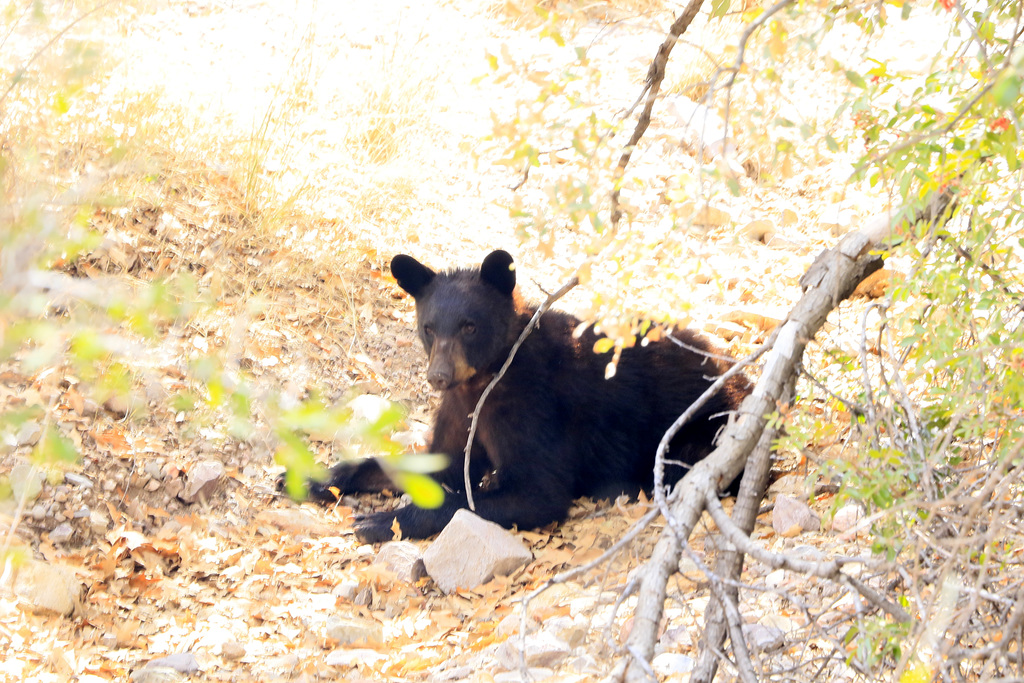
<point>498,271</point>
<point>412,275</point>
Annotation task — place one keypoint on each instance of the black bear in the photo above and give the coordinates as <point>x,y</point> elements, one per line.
<point>553,429</point>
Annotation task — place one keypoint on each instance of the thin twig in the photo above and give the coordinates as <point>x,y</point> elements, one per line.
<point>655,75</point>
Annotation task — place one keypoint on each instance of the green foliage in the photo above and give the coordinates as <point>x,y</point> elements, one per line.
<point>96,329</point>
<point>921,411</point>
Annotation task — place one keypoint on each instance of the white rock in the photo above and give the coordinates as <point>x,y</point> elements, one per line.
<point>792,517</point>
<point>203,480</point>
<point>543,649</point>
<point>48,587</point>
<point>26,481</point>
<point>672,663</point>
<point>570,631</point>
<point>847,517</point>
<point>404,559</point>
<point>775,578</point>
<point>183,662</point>
<point>232,650</point>
<point>29,434</point>
<point>763,638</point>
<point>62,533</point>
<point>347,631</point>
<point>470,551</point>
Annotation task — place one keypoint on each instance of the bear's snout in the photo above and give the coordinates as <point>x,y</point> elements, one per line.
<point>439,380</point>
<point>447,366</point>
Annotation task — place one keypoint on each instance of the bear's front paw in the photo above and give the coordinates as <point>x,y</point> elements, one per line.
<point>375,527</point>
<point>314,490</point>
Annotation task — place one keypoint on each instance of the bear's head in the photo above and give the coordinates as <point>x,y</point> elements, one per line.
<point>465,318</point>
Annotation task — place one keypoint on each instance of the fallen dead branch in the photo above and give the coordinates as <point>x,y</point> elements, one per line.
<point>831,278</point>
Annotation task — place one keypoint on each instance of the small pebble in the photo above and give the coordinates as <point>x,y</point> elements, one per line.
<point>78,480</point>
<point>39,512</point>
<point>109,485</point>
<point>232,650</point>
<point>62,533</point>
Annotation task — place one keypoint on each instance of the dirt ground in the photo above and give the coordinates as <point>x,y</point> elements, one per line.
<point>251,584</point>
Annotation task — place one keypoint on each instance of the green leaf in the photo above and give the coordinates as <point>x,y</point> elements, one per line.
<point>421,463</point>
<point>1007,90</point>
<point>424,491</point>
<point>856,79</point>
<point>604,345</point>
<point>719,8</point>
<point>299,461</point>
<point>53,447</point>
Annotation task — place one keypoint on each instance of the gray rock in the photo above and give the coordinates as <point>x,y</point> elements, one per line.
<point>675,637</point>
<point>583,664</point>
<point>511,624</point>
<point>347,631</point>
<point>570,631</point>
<point>445,672</point>
<point>282,664</point>
<point>78,480</point>
<point>775,578</point>
<point>62,533</point>
<point>763,638</point>
<point>347,589</point>
<point>542,650</point>
<point>98,521</point>
<point>38,512</point>
<point>28,434</point>
<point>158,674</point>
<point>183,662</point>
<point>26,481</point>
<point>350,658</point>
<point>672,663</point>
<point>154,469</point>
<point>203,480</point>
<point>792,517</point>
<point>470,551</point>
<point>404,559</point>
<point>48,587</point>
<point>847,517</point>
<point>232,650</point>
<point>174,486</point>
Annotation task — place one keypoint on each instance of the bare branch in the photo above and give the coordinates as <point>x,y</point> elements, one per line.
<point>655,75</point>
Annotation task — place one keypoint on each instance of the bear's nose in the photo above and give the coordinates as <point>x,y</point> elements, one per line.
<point>440,381</point>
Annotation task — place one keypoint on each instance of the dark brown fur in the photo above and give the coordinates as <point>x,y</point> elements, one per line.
<point>554,428</point>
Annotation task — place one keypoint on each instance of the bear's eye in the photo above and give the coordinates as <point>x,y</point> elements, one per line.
<point>429,331</point>
<point>468,328</point>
